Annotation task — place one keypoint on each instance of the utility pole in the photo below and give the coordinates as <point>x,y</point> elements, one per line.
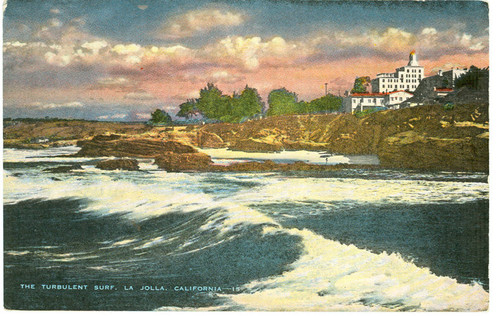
<point>326,88</point>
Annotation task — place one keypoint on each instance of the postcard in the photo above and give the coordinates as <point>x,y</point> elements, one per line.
<point>246,155</point>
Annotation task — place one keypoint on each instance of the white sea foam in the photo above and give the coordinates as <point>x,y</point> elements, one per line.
<point>334,277</point>
<point>49,154</point>
<point>17,253</point>
<point>107,194</point>
<point>328,275</point>
<point>224,156</point>
<point>367,190</point>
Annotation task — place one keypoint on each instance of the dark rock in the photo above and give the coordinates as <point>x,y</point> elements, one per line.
<point>63,169</point>
<point>298,166</point>
<point>132,147</point>
<point>116,164</point>
<point>171,161</point>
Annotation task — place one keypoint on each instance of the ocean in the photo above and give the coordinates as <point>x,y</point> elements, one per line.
<point>346,240</point>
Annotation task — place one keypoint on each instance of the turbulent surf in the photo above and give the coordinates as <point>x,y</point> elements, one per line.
<point>346,240</point>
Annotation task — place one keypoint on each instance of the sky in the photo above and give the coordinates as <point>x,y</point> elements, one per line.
<point>119,60</point>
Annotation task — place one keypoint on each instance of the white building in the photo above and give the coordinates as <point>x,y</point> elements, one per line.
<point>395,98</point>
<point>364,101</point>
<point>406,78</point>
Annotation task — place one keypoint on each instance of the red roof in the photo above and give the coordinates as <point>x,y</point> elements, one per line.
<point>444,89</point>
<point>399,91</point>
<point>376,94</point>
<point>368,94</point>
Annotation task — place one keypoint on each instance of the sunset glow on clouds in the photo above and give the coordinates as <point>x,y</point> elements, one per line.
<point>121,62</point>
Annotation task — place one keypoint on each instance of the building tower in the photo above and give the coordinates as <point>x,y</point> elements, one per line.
<point>406,78</point>
<point>413,59</point>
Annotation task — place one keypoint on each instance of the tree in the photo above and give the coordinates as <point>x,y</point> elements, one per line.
<point>361,84</point>
<point>282,102</point>
<point>246,104</point>
<point>327,103</point>
<point>476,79</point>
<point>188,109</point>
<point>212,103</point>
<point>160,117</point>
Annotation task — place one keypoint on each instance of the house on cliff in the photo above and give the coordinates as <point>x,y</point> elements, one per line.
<point>364,101</point>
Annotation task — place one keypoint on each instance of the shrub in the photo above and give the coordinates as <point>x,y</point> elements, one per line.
<point>449,106</point>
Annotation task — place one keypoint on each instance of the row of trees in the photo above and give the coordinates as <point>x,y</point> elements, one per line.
<point>213,104</point>
<point>284,102</point>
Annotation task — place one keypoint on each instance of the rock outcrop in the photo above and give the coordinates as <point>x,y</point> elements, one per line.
<point>210,140</point>
<point>431,137</point>
<point>171,161</point>
<point>424,137</point>
<point>416,151</point>
<point>271,166</point>
<point>118,164</point>
<point>129,147</point>
<point>64,169</point>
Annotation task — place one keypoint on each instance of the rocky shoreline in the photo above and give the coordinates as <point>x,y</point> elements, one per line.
<point>422,138</point>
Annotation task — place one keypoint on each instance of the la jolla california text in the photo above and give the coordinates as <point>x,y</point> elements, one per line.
<point>113,287</point>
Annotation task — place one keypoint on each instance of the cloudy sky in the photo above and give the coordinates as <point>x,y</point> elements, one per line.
<point>121,59</point>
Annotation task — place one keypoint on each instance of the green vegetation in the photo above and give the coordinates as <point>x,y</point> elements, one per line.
<point>284,102</point>
<point>476,79</point>
<point>361,84</point>
<point>327,103</point>
<point>160,117</point>
<point>360,114</point>
<point>449,106</point>
<point>214,105</point>
<point>188,109</point>
<point>247,104</point>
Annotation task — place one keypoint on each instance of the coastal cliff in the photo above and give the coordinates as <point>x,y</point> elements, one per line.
<point>426,137</point>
